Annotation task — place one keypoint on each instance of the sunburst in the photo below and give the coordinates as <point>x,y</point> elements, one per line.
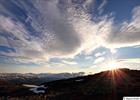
<point>113,64</point>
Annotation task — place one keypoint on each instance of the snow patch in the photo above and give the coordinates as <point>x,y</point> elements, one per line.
<point>36,89</point>
<point>39,89</point>
<point>30,86</point>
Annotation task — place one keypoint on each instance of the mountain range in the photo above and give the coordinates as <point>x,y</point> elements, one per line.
<point>32,78</point>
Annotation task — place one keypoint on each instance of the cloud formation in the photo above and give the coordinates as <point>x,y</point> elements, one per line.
<point>124,34</point>
<point>63,28</point>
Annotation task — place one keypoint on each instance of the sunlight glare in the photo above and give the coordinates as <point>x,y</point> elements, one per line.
<point>112,65</point>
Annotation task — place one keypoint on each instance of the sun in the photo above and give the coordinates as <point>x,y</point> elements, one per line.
<point>112,65</point>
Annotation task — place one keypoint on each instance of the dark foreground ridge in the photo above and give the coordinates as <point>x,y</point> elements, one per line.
<point>107,85</point>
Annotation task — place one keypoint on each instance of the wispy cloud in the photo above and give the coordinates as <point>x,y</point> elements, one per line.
<point>3,41</point>
<point>101,6</point>
<point>69,62</point>
<point>125,34</point>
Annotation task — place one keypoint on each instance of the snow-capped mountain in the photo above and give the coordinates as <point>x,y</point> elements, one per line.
<point>36,78</point>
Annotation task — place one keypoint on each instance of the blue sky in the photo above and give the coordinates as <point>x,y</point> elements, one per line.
<point>54,36</point>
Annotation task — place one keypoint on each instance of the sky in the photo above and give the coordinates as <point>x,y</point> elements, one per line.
<point>55,36</point>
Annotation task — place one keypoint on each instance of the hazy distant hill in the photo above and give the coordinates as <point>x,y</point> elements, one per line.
<point>30,78</point>
<point>107,85</point>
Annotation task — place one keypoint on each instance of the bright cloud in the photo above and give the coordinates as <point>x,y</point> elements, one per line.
<point>99,60</point>
<point>132,60</point>
<point>69,62</point>
<point>99,54</point>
